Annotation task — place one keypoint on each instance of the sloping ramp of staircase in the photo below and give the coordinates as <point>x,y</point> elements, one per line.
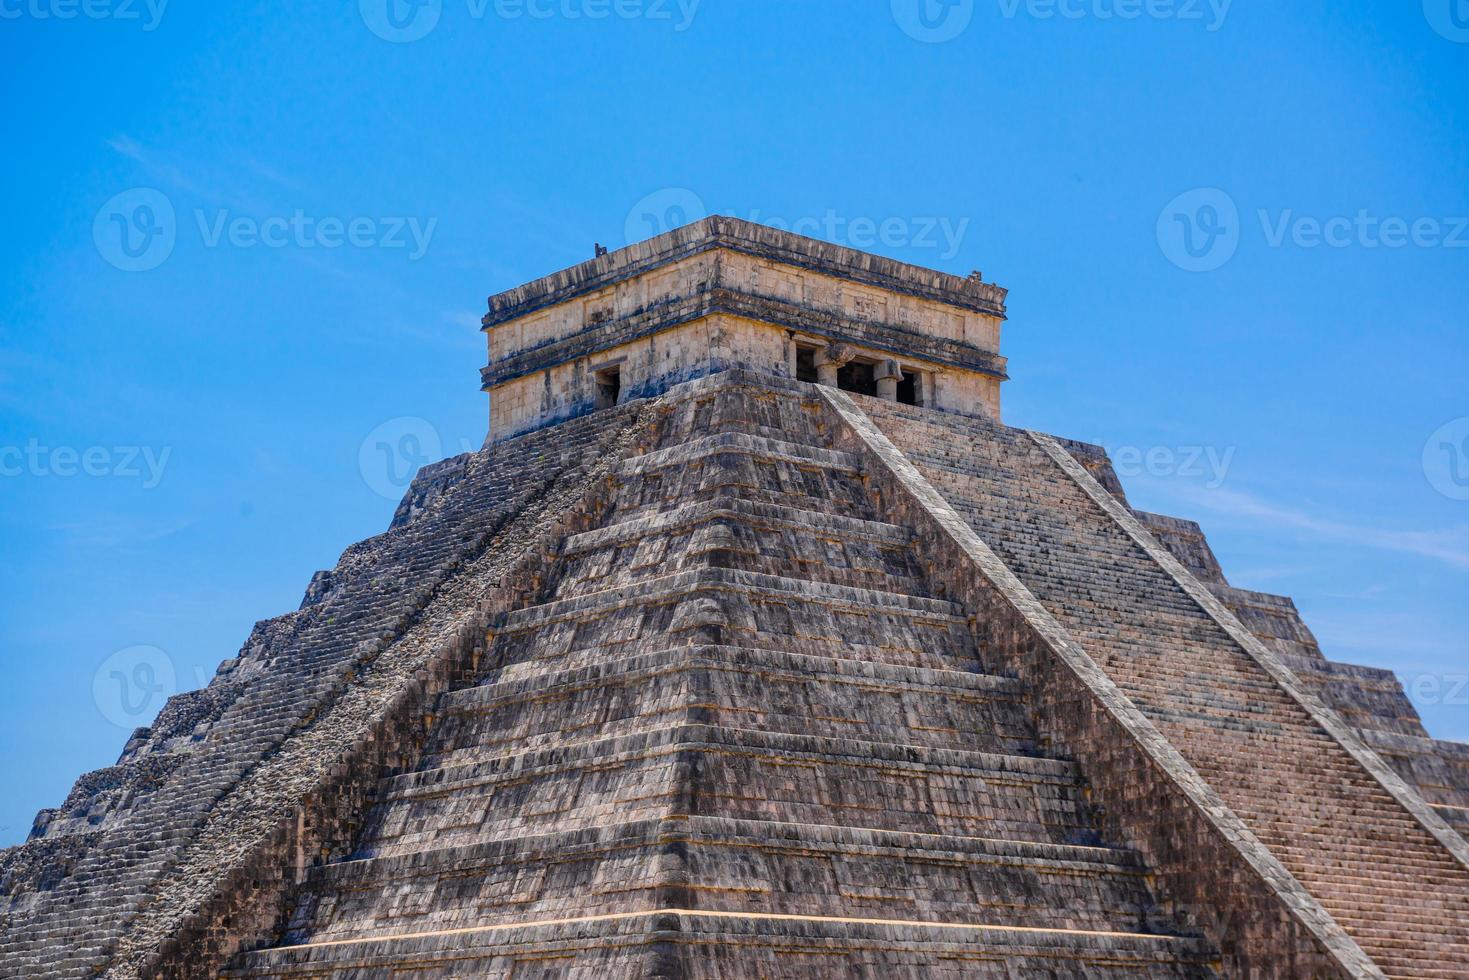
<point>204,820</point>
<point>1384,870</point>
<point>1371,700</point>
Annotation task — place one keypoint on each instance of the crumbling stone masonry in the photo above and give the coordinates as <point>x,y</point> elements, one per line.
<point>753,644</point>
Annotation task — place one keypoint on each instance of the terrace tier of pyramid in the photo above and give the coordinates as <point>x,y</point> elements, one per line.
<point>1371,863</point>
<point>741,734</point>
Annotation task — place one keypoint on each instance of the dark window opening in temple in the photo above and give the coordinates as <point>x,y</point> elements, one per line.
<point>909,389</point>
<point>806,364</point>
<point>857,378</point>
<point>609,387</point>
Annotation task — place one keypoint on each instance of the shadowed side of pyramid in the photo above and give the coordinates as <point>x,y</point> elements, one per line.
<point>185,848</point>
<point>741,734</point>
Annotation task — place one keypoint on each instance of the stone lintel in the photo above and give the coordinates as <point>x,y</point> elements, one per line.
<point>760,241</point>
<point>888,338</point>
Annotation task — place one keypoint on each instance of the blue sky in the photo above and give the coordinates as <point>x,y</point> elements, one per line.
<point>1229,231</point>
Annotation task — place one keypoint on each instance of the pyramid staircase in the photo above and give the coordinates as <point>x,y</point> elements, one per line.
<point>742,734</point>
<point>1360,850</point>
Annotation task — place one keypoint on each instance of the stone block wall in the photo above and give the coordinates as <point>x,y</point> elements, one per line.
<point>741,717</point>
<point>1290,770</point>
<point>181,871</point>
<point>722,294</point>
<point>722,684</point>
<point>1212,866</point>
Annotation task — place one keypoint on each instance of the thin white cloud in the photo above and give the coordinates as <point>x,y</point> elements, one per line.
<point>1270,573</point>
<point>119,533</point>
<point>217,187</point>
<point>156,167</point>
<point>1409,641</point>
<point>1450,545</point>
<point>271,174</point>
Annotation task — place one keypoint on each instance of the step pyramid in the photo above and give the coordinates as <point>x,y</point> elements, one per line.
<point>740,734</point>
<point>745,650</point>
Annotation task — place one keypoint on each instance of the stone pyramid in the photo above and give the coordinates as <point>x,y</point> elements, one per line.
<point>754,645</point>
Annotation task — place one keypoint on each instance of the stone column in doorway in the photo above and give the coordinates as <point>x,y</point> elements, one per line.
<point>830,361</point>
<point>888,375</point>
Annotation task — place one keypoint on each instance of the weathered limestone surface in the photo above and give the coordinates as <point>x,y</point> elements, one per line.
<point>189,844</point>
<point>741,733</point>
<point>1369,699</point>
<point>723,293</point>
<point>699,670</point>
<point>1375,858</point>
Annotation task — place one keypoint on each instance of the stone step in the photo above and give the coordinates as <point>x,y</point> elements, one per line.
<point>734,946</point>
<point>535,654</point>
<point>736,688</point>
<point>735,580</point>
<point>1369,698</point>
<point>739,608</point>
<point>1455,816</point>
<point>749,512</point>
<point>763,470</point>
<point>728,530</point>
<point>1437,768</point>
<point>730,865</point>
<point>1271,761</point>
<point>793,414</point>
<point>708,534</point>
<point>706,771</point>
<point>700,448</point>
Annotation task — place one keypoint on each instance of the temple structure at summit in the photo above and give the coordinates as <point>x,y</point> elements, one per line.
<point>725,294</point>
<point>755,644</point>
